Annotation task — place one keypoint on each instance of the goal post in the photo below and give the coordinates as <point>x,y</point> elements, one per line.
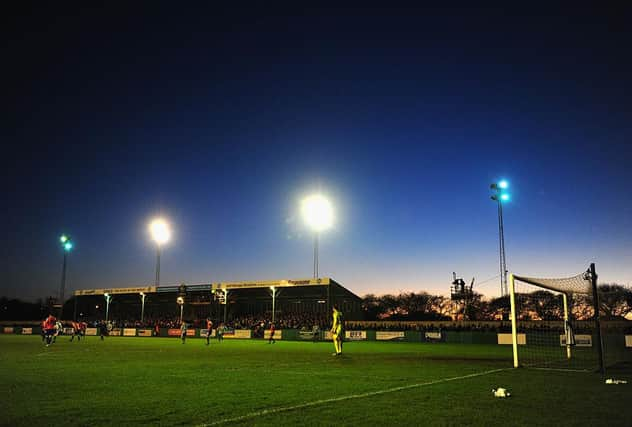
<point>559,319</point>
<point>514,330</point>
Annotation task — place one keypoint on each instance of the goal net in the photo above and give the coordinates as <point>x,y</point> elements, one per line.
<point>554,323</point>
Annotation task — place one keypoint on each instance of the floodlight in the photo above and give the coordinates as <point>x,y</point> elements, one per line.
<point>68,246</point>
<point>160,231</point>
<point>505,197</point>
<point>503,184</point>
<point>63,238</point>
<point>317,212</point>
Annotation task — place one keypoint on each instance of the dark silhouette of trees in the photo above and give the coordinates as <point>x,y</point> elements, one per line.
<point>615,301</point>
<point>540,304</point>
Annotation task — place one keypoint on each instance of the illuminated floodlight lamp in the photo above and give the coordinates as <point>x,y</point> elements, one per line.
<point>180,300</point>
<point>160,231</point>
<point>503,184</point>
<point>505,197</point>
<point>317,212</point>
<point>68,246</point>
<point>63,238</point>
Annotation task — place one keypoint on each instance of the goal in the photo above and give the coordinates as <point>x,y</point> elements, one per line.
<point>555,322</point>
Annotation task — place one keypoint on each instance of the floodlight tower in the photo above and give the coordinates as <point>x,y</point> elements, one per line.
<point>108,298</point>
<point>180,301</point>
<point>273,291</point>
<point>67,246</point>
<point>142,308</point>
<point>501,196</point>
<point>160,234</point>
<point>318,215</point>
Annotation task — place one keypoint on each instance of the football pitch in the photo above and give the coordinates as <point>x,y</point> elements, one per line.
<point>160,381</point>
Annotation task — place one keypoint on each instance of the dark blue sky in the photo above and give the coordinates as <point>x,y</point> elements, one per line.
<point>222,119</point>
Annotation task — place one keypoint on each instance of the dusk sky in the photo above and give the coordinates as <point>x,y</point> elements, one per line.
<point>221,120</point>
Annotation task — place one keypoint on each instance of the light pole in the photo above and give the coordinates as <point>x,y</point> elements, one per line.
<point>108,297</point>
<point>142,307</point>
<point>318,215</point>
<point>225,306</point>
<point>274,291</point>
<point>500,196</point>
<point>67,246</point>
<point>160,233</point>
<point>180,302</point>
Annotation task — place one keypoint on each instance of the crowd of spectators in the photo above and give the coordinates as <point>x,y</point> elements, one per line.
<point>251,321</point>
<point>282,321</point>
<point>307,321</point>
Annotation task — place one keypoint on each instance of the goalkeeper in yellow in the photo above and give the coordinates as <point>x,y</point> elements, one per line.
<point>337,330</point>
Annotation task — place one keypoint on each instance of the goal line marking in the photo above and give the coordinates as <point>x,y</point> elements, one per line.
<point>348,397</point>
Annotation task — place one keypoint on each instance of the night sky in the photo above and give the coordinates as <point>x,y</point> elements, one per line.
<point>221,120</point>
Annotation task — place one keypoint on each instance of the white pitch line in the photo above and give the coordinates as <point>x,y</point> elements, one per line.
<point>348,397</point>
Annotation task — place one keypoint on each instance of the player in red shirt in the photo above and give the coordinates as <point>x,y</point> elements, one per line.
<point>49,328</point>
<point>77,331</point>
<point>272,330</point>
<point>209,330</point>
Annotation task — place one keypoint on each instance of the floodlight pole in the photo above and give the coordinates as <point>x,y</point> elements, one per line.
<point>503,259</point>
<point>142,309</point>
<point>107,306</point>
<point>158,265</point>
<point>498,197</point>
<point>273,301</point>
<point>62,288</point>
<point>316,255</point>
<point>210,304</point>
<point>225,305</point>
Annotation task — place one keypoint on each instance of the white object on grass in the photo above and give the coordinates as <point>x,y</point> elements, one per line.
<point>500,392</point>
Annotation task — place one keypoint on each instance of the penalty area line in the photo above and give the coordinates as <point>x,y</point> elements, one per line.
<point>348,397</point>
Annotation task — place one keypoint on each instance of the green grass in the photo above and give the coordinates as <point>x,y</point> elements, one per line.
<point>159,381</point>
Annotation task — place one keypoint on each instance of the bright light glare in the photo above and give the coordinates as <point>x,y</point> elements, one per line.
<point>317,212</point>
<point>159,230</point>
<point>63,238</point>
<point>68,246</point>
<point>503,185</point>
<point>504,197</point>
<point>180,300</point>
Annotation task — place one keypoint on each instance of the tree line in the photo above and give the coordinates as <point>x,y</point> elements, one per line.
<point>615,302</point>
